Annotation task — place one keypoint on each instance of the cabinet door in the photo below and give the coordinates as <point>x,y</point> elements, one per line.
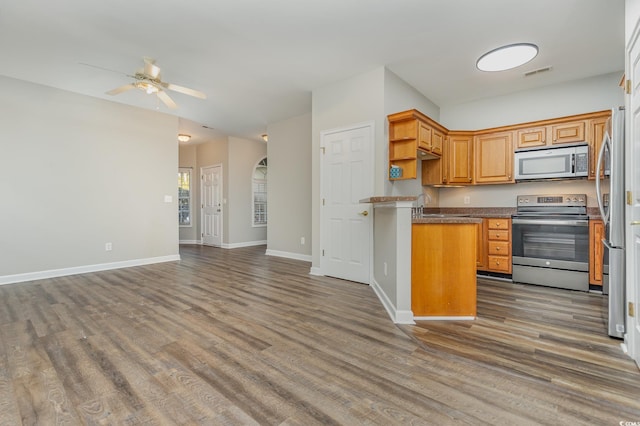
<point>405,129</point>
<point>437,142</point>
<point>596,251</point>
<point>596,133</point>
<point>424,136</point>
<point>574,131</point>
<point>494,157</point>
<point>481,251</point>
<point>460,159</point>
<point>531,137</point>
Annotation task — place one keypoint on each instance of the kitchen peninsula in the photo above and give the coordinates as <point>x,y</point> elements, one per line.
<point>424,267</point>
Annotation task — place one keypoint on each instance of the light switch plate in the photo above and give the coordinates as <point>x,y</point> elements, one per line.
<point>168,199</point>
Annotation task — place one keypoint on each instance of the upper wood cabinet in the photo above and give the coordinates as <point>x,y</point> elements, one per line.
<point>569,132</point>
<point>531,137</point>
<point>494,157</point>
<point>596,133</point>
<point>552,134</point>
<point>412,136</point>
<point>460,158</point>
<point>483,156</point>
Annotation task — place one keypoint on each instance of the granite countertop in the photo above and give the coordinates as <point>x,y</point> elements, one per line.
<point>451,219</point>
<point>478,212</point>
<point>388,199</point>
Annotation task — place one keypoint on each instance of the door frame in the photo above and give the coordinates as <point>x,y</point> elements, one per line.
<point>323,232</point>
<point>202,205</point>
<point>632,335</point>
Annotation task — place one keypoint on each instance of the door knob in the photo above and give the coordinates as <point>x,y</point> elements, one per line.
<point>364,213</point>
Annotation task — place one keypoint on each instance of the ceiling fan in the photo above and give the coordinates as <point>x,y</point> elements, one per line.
<point>148,79</point>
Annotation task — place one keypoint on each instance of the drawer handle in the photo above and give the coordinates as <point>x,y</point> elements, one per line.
<point>497,248</point>
<point>497,263</point>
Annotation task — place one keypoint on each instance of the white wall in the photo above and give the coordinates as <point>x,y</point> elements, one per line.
<point>576,97</point>
<point>243,157</point>
<point>289,194</point>
<point>79,172</point>
<point>400,96</point>
<point>355,100</point>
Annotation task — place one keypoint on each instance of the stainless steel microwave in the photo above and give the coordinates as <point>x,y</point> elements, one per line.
<point>552,163</point>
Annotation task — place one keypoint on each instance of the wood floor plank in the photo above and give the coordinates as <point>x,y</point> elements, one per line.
<point>234,337</point>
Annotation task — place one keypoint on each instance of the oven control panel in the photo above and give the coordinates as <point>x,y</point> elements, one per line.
<point>579,200</point>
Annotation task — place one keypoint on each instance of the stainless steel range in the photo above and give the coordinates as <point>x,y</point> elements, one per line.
<point>550,244</point>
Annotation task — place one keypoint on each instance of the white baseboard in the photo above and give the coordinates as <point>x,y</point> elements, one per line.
<point>245,244</point>
<point>315,271</point>
<point>398,317</point>
<point>190,242</point>
<point>288,255</point>
<point>444,318</point>
<point>52,273</point>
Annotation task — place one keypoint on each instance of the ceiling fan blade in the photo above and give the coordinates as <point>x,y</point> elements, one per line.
<point>121,89</point>
<point>150,67</point>
<point>167,100</point>
<point>184,90</point>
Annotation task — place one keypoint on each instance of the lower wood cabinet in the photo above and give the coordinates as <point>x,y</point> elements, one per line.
<point>497,245</point>
<point>596,251</point>
<point>443,273</point>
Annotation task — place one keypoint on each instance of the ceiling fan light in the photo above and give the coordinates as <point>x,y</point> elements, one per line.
<point>507,57</point>
<point>265,137</point>
<point>184,138</point>
<point>147,87</point>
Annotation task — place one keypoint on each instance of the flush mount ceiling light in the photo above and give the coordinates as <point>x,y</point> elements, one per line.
<point>265,137</point>
<point>184,138</point>
<point>507,57</point>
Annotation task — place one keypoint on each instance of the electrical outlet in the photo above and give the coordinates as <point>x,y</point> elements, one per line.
<point>302,240</point>
<point>108,247</point>
<point>385,269</point>
<point>467,199</point>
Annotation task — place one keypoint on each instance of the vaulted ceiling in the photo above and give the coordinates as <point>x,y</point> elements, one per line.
<point>258,61</point>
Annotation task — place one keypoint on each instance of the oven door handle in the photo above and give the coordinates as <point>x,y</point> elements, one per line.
<point>550,222</point>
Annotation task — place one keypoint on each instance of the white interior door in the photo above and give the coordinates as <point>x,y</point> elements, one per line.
<point>347,177</point>
<point>633,186</point>
<point>211,195</point>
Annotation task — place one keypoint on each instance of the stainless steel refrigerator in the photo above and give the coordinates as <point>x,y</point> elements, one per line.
<point>611,185</point>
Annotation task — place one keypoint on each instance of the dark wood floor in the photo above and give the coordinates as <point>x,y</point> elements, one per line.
<point>236,337</point>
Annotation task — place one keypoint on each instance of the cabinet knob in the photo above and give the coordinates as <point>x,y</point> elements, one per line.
<point>498,263</point>
<point>497,248</point>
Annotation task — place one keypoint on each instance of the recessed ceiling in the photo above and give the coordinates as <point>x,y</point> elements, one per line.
<point>258,61</point>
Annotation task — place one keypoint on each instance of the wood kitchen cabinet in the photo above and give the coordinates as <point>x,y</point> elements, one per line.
<point>596,133</point>
<point>483,156</point>
<point>494,157</point>
<point>413,137</point>
<point>531,137</point>
<point>459,158</point>
<point>481,249</point>
<point>569,132</point>
<point>497,245</point>
<point>552,134</point>
<point>596,251</point>
<point>456,164</point>
<point>443,273</point>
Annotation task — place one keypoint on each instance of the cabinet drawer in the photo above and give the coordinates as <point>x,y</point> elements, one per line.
<point>498,235</point>
<point>498,223</point>
<point>499,263</point>
<point>499,248</point>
